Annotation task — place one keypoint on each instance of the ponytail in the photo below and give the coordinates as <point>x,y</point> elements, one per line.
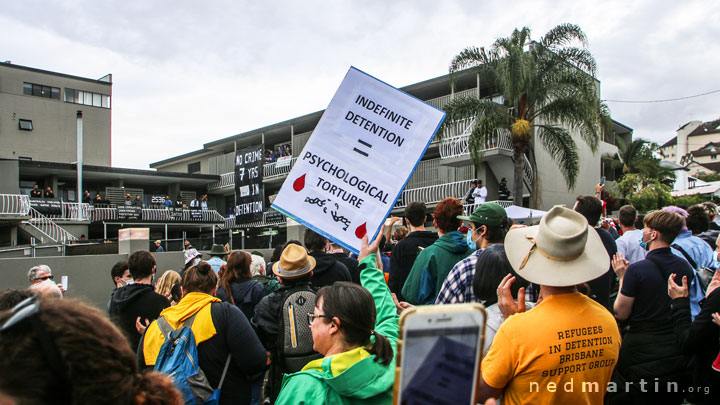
<point>381,349</point>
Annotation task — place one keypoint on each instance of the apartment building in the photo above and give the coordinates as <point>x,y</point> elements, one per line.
<point>445,170</point>
<point>695,146</point>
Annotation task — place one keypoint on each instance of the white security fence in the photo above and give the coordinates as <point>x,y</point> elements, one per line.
<point>14,205</point>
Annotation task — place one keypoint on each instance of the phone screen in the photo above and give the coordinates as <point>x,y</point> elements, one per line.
<point>438,365</point>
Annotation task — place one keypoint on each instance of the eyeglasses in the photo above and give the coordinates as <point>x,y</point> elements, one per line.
<point>51,277</point>
<point>311,317</point>
<point>28,310</point>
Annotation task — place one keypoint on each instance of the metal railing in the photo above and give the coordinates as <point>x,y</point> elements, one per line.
<point>204,216</point>
<point>269,219</point>
<point>434,194</point>
<point>459,145</point>
<point>469,208</point>
<point>226,180</point>
<point>103,214</point>
<point>270,170</point>
<point>49,228</point>
<point>440,102</point>
<point>14,204</point>
<point>76,211</point>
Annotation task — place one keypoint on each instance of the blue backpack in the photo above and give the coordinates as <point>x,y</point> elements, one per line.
<point>178,358</point>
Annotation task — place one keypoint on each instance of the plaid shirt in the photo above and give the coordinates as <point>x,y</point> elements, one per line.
<point>457,287</point>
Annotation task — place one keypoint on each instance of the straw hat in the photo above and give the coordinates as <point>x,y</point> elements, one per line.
<point>562,251</point>
<point>294,262</point>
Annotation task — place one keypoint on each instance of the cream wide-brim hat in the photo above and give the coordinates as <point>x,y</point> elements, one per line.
<point>562,251</point>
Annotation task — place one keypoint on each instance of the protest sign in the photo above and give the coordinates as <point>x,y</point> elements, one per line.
<point>248,184</point>
<point>357,161</point>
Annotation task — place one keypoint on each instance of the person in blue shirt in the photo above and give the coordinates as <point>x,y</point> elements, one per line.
<point>696,251</point>
<point>217,252</point>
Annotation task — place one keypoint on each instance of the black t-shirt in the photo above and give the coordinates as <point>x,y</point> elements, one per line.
<point>648,284</point>
<point>601,286</point>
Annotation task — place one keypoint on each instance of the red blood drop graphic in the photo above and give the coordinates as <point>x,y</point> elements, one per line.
<point>361,231</point>
<point>299,183</point>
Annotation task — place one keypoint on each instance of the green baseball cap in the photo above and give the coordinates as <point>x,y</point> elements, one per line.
<point>490,214</point>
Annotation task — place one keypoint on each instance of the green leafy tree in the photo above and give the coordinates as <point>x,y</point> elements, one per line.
<point>548,88</point>
<point>638,157</point>
<point>643,193</point>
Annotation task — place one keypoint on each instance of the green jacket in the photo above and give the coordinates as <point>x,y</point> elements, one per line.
<point>432,266</point>
<point>352,377</point>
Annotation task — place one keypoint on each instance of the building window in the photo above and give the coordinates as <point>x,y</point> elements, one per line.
<point>87,98</point>
<point>713,157</point>
<point>38,90</point>
<point>25,125</point>
<point>194,167</point>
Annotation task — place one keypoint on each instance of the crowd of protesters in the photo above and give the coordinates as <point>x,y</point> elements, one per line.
<point>628,305</point>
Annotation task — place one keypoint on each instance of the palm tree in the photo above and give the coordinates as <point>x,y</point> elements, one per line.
<point>548,88</point>
<point>638,157</point>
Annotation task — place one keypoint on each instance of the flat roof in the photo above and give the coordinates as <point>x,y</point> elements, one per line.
<point>49,72</point>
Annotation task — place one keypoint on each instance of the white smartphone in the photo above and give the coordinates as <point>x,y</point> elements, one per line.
<point>439,354</point>
<point>64,282</point>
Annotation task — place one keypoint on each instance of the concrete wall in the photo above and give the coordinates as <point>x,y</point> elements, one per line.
<point>53,137</point>
<point>88,276</point>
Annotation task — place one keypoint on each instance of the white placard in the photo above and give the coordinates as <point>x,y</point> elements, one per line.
<point>357,161</point>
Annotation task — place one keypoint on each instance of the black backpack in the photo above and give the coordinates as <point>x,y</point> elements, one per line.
<point>295,342</point>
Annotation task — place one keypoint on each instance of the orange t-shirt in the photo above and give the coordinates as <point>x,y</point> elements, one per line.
<point>562,351</point>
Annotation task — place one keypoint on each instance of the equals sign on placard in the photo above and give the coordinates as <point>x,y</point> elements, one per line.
<point>360,141</point>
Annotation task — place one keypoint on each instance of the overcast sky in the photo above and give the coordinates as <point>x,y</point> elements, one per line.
<point>188,72</point>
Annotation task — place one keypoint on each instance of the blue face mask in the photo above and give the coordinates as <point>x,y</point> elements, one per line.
<point>468,238</point>
<point>643,244</point>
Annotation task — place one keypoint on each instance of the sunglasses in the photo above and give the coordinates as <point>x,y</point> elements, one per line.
<point>45,278</point>
<point>29,310</point>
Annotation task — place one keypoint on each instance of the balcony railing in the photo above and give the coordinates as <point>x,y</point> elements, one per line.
<point>459,146</point>
<point>226,180</point>
<point>434,194</point>
<point>14,205</point>
<point>154,215</point>
<point>76,211</point>
<point>277,169</point>
<point>272,170</point>
<point>46,226</point>
<point>441,101</point>
<point>469,208</point>
<point>270,218</point>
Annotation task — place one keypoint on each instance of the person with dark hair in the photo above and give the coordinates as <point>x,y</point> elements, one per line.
<point>237,278</point>
<point>83,358</point>
<point>9,298</point>
<point>328,269</point>
<point>697,252</point>
<point>629,243</point>
<point>480,193</point>
<point>435,261</point>
<point>121,277</point>
<point>35,192</point>
<point>650,351</point>
<point>503,190</point>
<point>599,288</point>
<point>341,255</point>
<point>356,330</point>
<point>221,331</point>
<point>697,220</point>
<point>405,251</point>
<point>137,301</point>
<point>488,225</point>
<point>699,338</point>
<point>492,267</point>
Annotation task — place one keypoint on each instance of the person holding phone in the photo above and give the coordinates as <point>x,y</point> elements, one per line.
<point>545,355</point>
<point>356,330</point>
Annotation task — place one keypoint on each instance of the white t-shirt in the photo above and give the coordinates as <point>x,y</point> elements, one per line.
<point>629,245</point>
<point>480,194</point>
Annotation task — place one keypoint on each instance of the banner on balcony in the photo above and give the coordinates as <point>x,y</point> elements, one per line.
<point>248,184</point>
<point>356,163</point>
